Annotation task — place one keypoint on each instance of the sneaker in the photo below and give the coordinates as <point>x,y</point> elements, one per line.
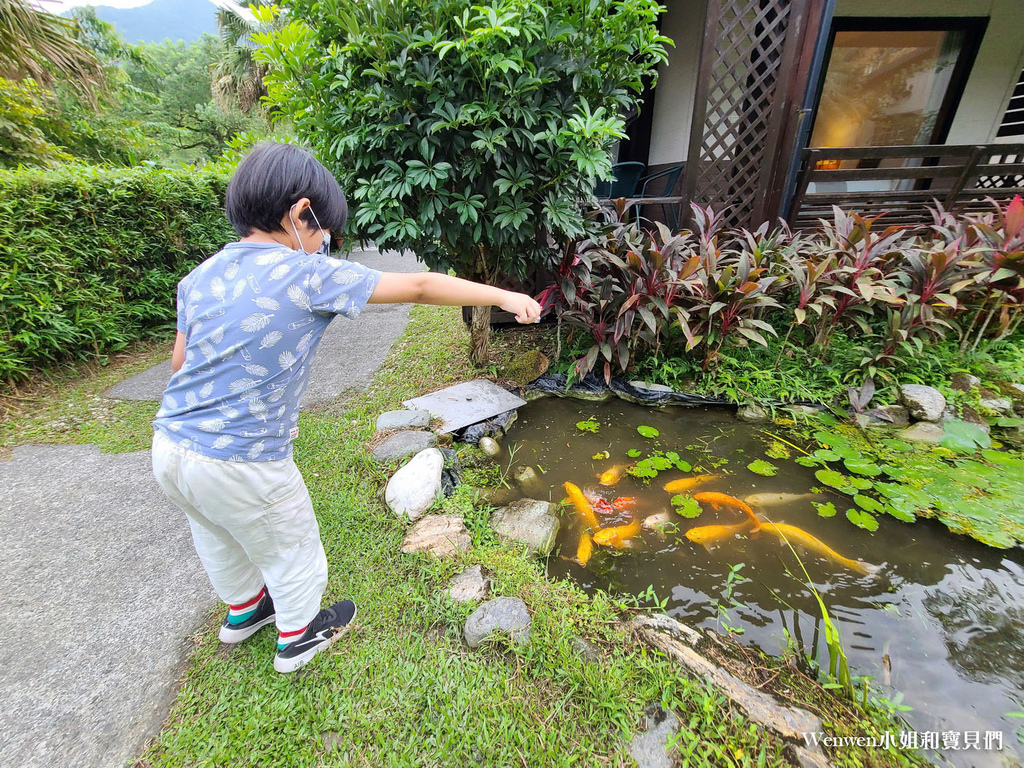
<point>263,615</point>
<point>330,624</point>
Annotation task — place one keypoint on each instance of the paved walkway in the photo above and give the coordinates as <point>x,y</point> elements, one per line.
<point>101,586</point>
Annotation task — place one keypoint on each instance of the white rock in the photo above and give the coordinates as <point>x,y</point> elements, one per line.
<point>414,488</point>
<point>997,404</point>
<point>925,403</point>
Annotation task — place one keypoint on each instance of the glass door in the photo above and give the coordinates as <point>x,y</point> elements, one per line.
<point>891,82</point>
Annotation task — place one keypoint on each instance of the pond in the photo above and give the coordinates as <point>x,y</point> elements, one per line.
<point>936,619</point>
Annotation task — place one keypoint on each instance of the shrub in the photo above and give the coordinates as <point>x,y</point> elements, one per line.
<point>468,132</point>
<point>630,292</point>
<point>90,257</point>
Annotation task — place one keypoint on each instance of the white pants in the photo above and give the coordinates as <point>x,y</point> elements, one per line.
<point>252,524</point>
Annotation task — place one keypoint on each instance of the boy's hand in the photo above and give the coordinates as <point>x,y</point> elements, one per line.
<point>522,306</point>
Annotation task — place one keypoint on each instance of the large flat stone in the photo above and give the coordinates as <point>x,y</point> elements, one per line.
<point>349,353</point>
<point>402,444</point>
<point>403,420</point>
<point>466,403</point>
<point>95,559</point>
<point>650,748</point>
<point>502,614</point>
<point>438,535</point>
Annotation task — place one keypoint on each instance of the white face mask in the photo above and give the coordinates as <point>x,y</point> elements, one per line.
<point>325,246</point>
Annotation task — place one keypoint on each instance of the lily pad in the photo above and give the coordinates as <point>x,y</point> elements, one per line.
<point>825,510</point>
<point>897,445</point>
<point>648,432</point>
<point>806,461</point>
<point>825,455</point>
<point>964,437</point>
<point>862,519</point>
<point>832,479</point>
<point>777,450</point>
<point>590,425</point>
<point>867,503</point>
<point>861,483</point>
<point>633,453</point>
<point>902,510</point>
<point>687,506</point>
<point>762,467</point>
<point>863,467</point>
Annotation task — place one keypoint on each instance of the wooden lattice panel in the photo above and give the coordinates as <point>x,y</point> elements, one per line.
<point>746,63</point>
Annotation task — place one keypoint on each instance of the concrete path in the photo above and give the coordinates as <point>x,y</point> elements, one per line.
<point>101,588</point>
<point>101,585</point>
<point>349,353</point>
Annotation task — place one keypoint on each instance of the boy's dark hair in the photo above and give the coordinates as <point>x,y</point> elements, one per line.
<point>271,178</point>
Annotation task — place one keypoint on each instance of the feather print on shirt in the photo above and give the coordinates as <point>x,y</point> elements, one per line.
<point>299,298</point>
<point>231,270</point>
<point>218,289</point>
<point>278,272</point>
<point>256,369</point>
<point>271,339</point>
<point>238,289</point>
<point>270,257</point>
<point>257,321</point>
<point>265,302</point>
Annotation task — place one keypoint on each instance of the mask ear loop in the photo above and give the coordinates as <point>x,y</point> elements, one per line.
<point>295,229</point>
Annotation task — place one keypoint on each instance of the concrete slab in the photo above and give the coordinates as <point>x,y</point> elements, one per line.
<point>348,355</point>
<point>466,403</point>
<point>101,588</point>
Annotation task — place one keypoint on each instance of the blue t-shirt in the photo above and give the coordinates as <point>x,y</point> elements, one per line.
<point>253,315</point>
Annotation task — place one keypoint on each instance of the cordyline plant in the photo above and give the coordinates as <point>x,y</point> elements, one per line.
<point>469,132</point>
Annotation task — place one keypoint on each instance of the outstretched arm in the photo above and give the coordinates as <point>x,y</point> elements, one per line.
<point>435,288</point>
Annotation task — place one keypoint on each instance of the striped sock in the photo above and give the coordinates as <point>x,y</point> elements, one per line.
<point>284,638</point>
<point>238,614</point>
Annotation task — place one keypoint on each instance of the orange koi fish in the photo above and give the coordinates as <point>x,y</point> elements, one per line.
<point>795,535</point>
<point>623,503</point>
<point>613,475</point>
<point>582,505</point>
<point>719,500</point>
<point>689,483</point>
<point>585,549</point>
<point>617,536</point>
<point>709,535</point>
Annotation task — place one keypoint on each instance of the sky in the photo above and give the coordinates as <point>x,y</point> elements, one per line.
<point>59,6</point>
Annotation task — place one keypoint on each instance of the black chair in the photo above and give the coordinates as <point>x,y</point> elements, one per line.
<point>662,184</point>
<point>627,175</point>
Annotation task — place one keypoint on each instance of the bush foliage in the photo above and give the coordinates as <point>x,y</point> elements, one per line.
<point>632,291</point>
<point>89,257</point>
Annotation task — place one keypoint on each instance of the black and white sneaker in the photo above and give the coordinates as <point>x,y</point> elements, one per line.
<point>263,615</point>
<point>330,624</point>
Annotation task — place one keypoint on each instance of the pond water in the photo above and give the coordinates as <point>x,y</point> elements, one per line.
<point>939,624</point>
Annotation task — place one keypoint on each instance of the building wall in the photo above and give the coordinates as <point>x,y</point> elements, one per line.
<point>996,68</point>
<point>677,81</point>
<point>989,86</point>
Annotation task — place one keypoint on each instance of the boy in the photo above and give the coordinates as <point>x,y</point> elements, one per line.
<point>249,321</point>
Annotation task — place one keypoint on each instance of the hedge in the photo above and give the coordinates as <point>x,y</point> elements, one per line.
<point>90,257</point>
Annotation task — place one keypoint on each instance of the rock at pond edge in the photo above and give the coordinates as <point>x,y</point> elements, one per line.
<point>529,522</point>
<point>414,488</point>
<point>403,444</point>
<point>650,747</point>
<point>404,419</point>
<point>752,414</point>
<point>925,403</point>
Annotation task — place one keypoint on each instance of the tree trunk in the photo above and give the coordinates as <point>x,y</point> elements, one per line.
<point>480,334</point>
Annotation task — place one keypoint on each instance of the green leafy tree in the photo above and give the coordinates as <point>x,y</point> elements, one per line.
<point>471,133</point>
<point>39,45</point>
<point>237,75</point>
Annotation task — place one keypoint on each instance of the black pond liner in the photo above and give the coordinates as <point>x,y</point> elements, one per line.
<point>592,388</point>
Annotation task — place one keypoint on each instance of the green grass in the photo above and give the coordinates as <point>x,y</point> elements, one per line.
<point>402,689</point>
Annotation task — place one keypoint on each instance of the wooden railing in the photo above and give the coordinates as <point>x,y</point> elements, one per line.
<point>902,181</point>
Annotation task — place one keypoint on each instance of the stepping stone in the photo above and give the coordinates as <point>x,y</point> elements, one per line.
<point>438,535</point>
<point>529,522</point>
<point>403,420</point>
<point>650,748</point>
<point>414,488</point>
<point>403,444</point>
<point>467,403</point>
<point>469,586</point>
<point>923,432</point>
<point>502,614</point>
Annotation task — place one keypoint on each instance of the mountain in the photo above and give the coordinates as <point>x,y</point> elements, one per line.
<point>162,19</point>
